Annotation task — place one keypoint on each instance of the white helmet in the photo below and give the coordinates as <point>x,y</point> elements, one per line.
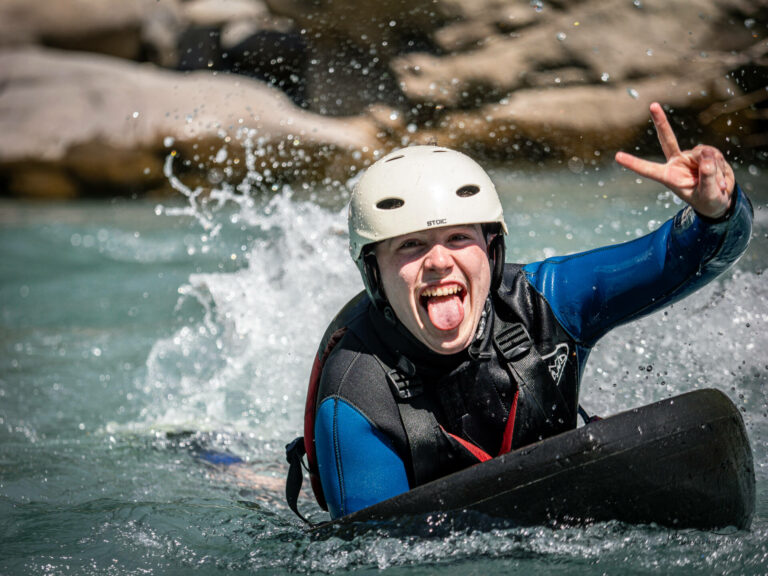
<point>414,189</point>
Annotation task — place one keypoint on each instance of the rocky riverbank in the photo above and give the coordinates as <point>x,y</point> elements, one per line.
<point>104,97</point>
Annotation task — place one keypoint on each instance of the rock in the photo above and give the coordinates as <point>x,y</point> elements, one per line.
<point>97,123</point>
<point>384,26</point>
<point>132,29</point>
<point>481,20</point>
<point>609,40</point>
<point>242,36</point>
<point>350,44</point>
<point>583,121</point>
<point>222,12</point>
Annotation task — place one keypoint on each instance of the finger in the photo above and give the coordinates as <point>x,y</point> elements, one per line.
<point>646,168</point>
<point>664,131</point>
<point>726,171</point>
<point>709,183</point>
<point>711,159</point>
<point>713,198</point>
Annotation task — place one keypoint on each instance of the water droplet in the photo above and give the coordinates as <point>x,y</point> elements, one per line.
<point>633,93</point>
<point>135,115</point>
<point>575,164</point>
<point>605,76</point>
<point>561,36</point>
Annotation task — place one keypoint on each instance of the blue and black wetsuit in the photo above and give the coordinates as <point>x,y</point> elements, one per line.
<point>565,303</point>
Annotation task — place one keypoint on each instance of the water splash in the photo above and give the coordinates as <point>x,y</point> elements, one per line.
<point>244,365</point>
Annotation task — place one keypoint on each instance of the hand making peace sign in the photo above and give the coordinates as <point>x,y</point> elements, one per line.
<point>701,177</point>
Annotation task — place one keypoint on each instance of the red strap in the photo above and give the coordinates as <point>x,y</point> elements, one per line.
<point>314,382</point>
<point>476,451</point>
<point>506,441</point>
<point>309,409</point>
<point>309,415</point>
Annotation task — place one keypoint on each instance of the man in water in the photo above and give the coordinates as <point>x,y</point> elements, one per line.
<point>451,356</point>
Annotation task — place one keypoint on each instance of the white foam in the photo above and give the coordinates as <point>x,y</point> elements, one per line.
<point>245,365</point>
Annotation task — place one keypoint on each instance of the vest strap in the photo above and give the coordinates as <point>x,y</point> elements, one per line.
<point>294,452</point>
<point>402,379</point>
<point>529,370</point>
<point>421,427</point>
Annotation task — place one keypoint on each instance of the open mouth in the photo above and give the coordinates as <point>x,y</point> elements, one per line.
<point>444,305</point>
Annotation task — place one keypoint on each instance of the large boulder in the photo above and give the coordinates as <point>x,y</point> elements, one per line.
<point>586,122</point>
<point>591,42</point>
<point>73,122</point>
<point>351,42</point>
<point>383,26</point>
<point>244,37</point>
<point>439,65</point>
<point>131,29</point>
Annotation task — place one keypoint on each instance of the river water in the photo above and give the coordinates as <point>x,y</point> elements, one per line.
<point>136,336</point>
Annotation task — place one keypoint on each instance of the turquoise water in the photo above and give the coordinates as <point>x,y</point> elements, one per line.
<point>134,335</point>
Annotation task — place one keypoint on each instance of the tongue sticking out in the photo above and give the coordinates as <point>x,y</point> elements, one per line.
<point>445,312</point>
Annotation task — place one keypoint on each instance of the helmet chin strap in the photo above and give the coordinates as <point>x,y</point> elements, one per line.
<point>496,257</point>
<point>374,285</point>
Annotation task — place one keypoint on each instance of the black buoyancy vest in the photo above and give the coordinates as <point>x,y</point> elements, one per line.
<point>516,384</point>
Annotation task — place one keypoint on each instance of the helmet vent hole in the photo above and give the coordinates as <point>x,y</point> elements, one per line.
<point>389,203</point>
<point>467,191</point>
<point>393,158</point>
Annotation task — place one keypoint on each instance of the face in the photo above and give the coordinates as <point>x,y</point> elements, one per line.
<point>437,281</point>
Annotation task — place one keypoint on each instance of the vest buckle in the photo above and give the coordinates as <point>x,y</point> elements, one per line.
<point>402,386</point>
<point>513,342</point>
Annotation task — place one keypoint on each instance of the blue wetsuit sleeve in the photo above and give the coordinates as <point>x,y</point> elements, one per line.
<point>592,292</point>
<point>357,463</point>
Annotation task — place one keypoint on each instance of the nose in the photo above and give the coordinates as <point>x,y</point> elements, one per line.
<point>438,259</point>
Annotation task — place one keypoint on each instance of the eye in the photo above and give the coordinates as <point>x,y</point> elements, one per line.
<point>408,244</point>
<point>459,237</point>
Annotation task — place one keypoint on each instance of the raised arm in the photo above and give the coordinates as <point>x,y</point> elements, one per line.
<point>595,291</point>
